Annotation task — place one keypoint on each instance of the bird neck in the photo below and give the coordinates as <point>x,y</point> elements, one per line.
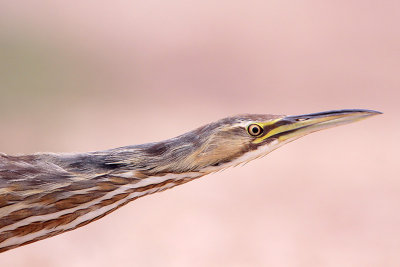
<point>69,191</point>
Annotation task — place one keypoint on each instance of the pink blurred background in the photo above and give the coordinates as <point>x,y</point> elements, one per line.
<point>91,75</point>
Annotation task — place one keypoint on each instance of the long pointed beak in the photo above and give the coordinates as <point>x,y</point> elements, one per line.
<point>293,127</point>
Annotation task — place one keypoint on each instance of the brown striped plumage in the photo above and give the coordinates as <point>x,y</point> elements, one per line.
<point>42,195</point>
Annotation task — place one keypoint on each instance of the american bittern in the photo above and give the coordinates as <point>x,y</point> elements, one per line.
<point>45,194</point>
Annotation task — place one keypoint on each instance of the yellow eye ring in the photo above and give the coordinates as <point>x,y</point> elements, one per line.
<point>255,130</point>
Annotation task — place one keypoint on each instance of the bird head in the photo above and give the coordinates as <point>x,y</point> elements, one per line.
<point>235,140</point>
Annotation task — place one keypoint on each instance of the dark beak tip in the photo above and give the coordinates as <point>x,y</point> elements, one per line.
<point>372,112</point>
<point>378,112</point>
<point>366,111</point>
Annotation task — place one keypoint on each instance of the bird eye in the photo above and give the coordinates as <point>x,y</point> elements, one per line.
<point>254,130</point>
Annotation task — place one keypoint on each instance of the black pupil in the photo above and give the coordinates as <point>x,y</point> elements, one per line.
<point>255,130</point>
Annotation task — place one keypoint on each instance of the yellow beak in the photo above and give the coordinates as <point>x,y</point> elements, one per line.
<point>293,127</point>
